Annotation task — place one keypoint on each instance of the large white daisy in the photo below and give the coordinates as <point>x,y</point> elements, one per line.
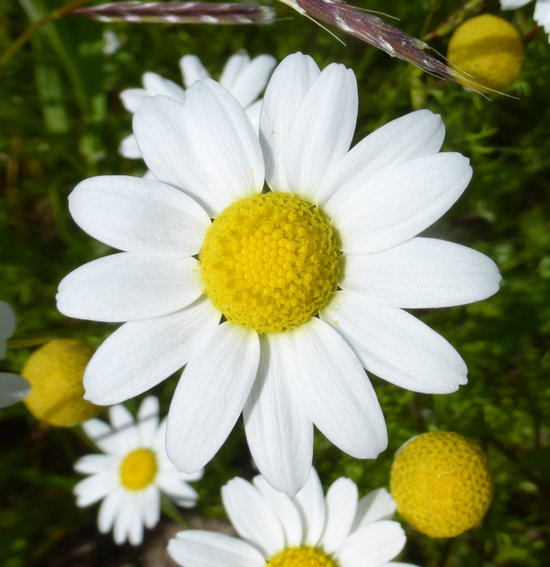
<point>132,473</point>
<point>243,77</point>
<point>309,530</point>
<point>541,15</point>
<point>13,388</point>
<point>308,277</point>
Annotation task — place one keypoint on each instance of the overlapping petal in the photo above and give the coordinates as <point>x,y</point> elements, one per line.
<point>422,272</point>
<point>395,345</point>
<point>206,147</point>
<point>126,287</point>
<point>139,215</point>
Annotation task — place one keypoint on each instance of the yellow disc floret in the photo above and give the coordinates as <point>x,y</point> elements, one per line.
<point>489,49</point>
<point>55,372</point>
<point>270,262</point>
<point>303,556</point>
<point>138,469</point>
<point>441,483</point>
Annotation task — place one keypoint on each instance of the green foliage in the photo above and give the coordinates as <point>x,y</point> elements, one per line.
<point>62,121</point>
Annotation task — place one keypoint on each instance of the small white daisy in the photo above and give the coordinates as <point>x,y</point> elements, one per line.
<point>309,530</point>
<point>132,473</point>
<point>13,388</point>
<point>541,15</point>
<point>243,77</point>
<point>310,276</point>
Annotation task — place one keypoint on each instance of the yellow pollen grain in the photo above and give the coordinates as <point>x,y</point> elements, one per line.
<point>270,262</point>
<point>303,556</point>
<point>441,483</point>
<point>138,469</point>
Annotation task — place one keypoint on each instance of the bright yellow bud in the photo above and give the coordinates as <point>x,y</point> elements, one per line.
<point>441,483</point>
<point>55,372</point>
<point>489,49</point>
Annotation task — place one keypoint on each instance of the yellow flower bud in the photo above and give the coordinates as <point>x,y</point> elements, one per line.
<point>489,49</point>
<point>441,483</point>
<point>55,372</point>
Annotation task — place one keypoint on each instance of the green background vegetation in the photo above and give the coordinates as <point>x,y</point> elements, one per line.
<point>61,121</point>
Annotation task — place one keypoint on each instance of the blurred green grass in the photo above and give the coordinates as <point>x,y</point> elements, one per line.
<point>62,121</point>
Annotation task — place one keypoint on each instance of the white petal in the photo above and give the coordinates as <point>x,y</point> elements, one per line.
<point>156,85</point>
<point>210,395</point>
<point>283,96</point>
<point>151,512</point>
<point>177,489</point>
<point>192,70</point>
<point>251,80</point>
<point>311,501</point>
<point>375,506</point>
<point>195,548</point>
<point>124,518</point>
<point>7,322</point>
<point>233,68</point>
<point>542,13</point>
<point>315,145</point>
<point>140,354</point>
<point>109,510</point>
<point>395,345</point>
<point>13,389</point>
<point>148,419</point>
<point>96,429</point>
<point>422,272</point>
<point>252,517</point>
<point>129,148</point>
<point>279,433</point>
<point>132,98</point>
<point>120,417</point>
<point>253,113</point>
<point>372,545</point>
<point>334,390</point>
<point>513,4</point>
<point>139,215</point>
<point>135,532</point>
<point>93,464</point>
<point>412,136</point>
<point>126,287</point>
<point>94,488</point>
<point>397,203</point>
<point>286,510</point>
<point>207,146</point>
<point>341,502</point>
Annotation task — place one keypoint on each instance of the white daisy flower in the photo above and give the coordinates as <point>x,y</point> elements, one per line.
<point>541,15</point>
<point>13,388</point>
<point>132,473</point>
<point>310,529</point>
<point>310,276</point>
<point>243,77</point>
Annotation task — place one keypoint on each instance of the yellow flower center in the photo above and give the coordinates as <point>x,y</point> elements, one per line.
<point>303,556</point>
<point>441,483</point>
<point>138,469</point>
<point>270,262</point>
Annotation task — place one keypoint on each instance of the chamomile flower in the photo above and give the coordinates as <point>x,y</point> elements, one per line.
<point>132,473</point>
<point>309,529</point>
<point>541,15</point>
<point>13,388</point>
<point>243,77</point>
<point>310,275</point>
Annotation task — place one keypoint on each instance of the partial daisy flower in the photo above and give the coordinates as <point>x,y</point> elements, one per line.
<point>277,305</point>
<point>13,388</point>
<point>132,473</point>
<point>309,529</point>
<point>541,15</point>
<point>243,77</point>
